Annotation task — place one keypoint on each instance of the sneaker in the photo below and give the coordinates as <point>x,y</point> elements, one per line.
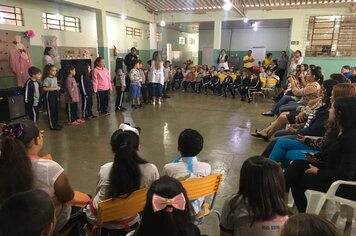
<point>123,109</point>
<point>75,123</point>
<point>153,102</point>
<point>249,100</point>
<point>159,102</point>
<point>92,117</point>
<point>133,106</point>
<point>57,128</point>
<point>139,106</point>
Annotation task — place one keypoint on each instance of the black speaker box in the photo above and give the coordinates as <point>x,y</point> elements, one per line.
<point>12,104</point>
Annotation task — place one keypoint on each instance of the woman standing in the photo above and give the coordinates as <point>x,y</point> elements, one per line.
<point>47,59</point>
<point>156,78</point>
<point>297,59</point>
<point>222,60</point>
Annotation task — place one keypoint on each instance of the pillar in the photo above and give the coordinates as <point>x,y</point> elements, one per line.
<point>217,40</point>
<point>103,50</point>
<point>153,41</point>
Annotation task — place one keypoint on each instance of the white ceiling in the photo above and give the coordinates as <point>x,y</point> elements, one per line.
<point>215,5</point>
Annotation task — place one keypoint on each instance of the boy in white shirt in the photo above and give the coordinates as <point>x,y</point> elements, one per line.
<point>187,165</point>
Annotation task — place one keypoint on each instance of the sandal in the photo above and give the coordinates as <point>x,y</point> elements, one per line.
<point>267,114</point>
<point>258,135</point>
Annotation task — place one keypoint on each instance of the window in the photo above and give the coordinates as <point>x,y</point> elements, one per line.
<point>158,37</point>
<point>331,36</point>
<point>11,15</point>
<point>181,40</point>
<point>59,22</point>
<point>134,33</point>
<point>192,41</point>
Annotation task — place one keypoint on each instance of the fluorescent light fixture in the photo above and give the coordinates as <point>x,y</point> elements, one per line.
<point>255,28</point>
<point>123,17</point>
<point>227,6</point>
<point>162,23</point>
<point>245,20</point>
<point>226,1</point>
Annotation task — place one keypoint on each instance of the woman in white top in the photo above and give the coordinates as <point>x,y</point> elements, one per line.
<point>126,174</point>
<point>156,78</point>
<point>22,169</point>
<point>297,59</point>
<point>47,59</point>
<point>222,60</point>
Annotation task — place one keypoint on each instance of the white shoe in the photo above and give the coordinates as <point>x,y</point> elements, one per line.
<point>159,102</point>
<point>153,102</point>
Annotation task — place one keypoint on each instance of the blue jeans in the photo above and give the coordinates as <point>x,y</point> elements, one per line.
<point>156,90</point>
<point>286,150</point>
<point>290,106</point>
<point>284,100</point>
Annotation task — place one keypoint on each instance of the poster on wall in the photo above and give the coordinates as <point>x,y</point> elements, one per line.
<point>51,41</point>
<point>15,55</point>
<point>70,53</point>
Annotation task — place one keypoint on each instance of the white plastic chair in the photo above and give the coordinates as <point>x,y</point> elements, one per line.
<point>316,200</point>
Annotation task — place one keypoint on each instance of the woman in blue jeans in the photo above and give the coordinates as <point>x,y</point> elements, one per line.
<point>156,78</point>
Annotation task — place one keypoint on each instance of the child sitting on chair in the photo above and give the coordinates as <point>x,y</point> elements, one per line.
<point>187,165</point>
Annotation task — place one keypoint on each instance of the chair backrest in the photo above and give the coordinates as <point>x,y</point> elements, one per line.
<point>202,187</point>
<point>118,208</point>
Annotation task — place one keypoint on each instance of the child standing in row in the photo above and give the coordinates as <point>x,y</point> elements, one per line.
<point>87,92</point>
<point>71,96</point>
<point>32,93</point>
<point>51,89</point>
<point>102,85</point>
<point>120,84</point>
<point>167,76</point>
<point>135,85</point>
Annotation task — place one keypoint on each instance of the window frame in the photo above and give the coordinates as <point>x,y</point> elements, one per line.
<point>182,40</point>
<point>16,19</point>
<point>63,22</point>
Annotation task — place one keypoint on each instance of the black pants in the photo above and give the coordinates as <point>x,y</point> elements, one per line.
<point>185,84</point>
<point>232,90</point>
<point>32,112</point>
<point>52,108</point>
<point>280,73</point>
<point>87,106</point>
<point>243,92</point>
<point>145,93</point>
<point>72,111</point>
<point>250,91</point>
<point>103,101</point>
<point>196,86</point>
<point>174,82</point>
<point>119,97</point>
<point>214,87</point>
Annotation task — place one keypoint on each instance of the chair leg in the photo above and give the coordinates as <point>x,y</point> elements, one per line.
<point>316,201</point>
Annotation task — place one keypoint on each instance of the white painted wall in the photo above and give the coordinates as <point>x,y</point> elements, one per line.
<point>206,39</point>
<point>116,30</point>
<point>273,39</point>
<point>32,13</point>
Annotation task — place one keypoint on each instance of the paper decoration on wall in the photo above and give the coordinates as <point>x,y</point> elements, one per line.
<point>15,56</point>
<point>51,41</point>
<point>70,53</point>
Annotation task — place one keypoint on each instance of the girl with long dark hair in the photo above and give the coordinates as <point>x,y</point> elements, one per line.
<point>126,174</point>
<point>120,84</point>
<point>258,208</point>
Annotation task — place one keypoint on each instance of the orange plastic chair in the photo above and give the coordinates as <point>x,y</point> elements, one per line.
<point>203,187</point>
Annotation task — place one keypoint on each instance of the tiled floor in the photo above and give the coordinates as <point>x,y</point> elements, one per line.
<point>225,124</point>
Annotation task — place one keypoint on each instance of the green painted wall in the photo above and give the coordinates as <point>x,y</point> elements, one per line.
<point>330,65</point>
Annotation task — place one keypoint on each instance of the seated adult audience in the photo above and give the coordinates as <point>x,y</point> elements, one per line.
<point>258,208</point>
<point>316,108</point>
<point>307,93</point>
<point>29,213</point>
<point>22,169</point>
<point>167,211</point>
<point>307,225</point>
<point>187,165</point>
<point>338,162</point>
<point>346,71</point>
<point>120,178</point>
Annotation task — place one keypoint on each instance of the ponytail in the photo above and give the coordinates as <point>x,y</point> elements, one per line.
<point>15,168</point>
<point>125,175</point>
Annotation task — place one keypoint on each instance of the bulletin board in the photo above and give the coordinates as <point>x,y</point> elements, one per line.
<point>7,42</point>
<point>70,53</point>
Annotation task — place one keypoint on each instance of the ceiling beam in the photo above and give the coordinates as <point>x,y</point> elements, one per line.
<point>237,5</point>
